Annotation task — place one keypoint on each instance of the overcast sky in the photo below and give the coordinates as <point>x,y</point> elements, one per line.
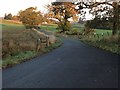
<point>13,6</point>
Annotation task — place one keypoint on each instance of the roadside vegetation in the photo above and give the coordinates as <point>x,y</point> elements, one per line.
<point>105,42</point>
<point>26,35</point>
<point>23,56</point>
<point>100,38</point>
<point>20,44</point>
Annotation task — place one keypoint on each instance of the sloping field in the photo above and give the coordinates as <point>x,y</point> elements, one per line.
<point>16,38</point>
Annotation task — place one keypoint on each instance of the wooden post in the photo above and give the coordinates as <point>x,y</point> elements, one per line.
<point>102,35</point>
<point>38,44</point>
<point>94,35</point>
<point>108,33</point>
<point>47,41</point>
<point>98,36</point>
<point>78,34</point>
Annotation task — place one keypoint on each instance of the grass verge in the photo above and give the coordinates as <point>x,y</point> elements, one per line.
<point>107,45</point>
<point>27,55</point>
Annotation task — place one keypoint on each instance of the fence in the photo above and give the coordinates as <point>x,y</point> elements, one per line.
<point>42,43</point>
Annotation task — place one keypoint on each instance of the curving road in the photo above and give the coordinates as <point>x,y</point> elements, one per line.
<point>73,65</point>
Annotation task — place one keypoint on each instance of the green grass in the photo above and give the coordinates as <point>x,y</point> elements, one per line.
<point>20,57</point>
<point>27,55</point>
<point>107,46</point>
<point>51,27</point>
<point>108,43</point>
<point>7,28</point>
<point>100,31</point>
<point>80,27</point>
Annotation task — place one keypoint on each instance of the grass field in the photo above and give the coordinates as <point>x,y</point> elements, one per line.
<point>10,22</point>
<point>80,27</point>
<point>19,44</point>
<point>51,27</point>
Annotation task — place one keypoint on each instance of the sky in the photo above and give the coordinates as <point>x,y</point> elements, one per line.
<point>14,6</point>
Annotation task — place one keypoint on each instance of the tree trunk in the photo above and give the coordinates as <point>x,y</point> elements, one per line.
<point>115,18</point>
<point>114,31</point>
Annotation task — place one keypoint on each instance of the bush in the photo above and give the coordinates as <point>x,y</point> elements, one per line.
<point>88,31</point>
<point>64,26</point>
<point>73,32</point>
<point>112,39</point>
<point>31,17</point>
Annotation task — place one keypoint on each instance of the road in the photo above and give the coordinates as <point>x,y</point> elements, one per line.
<point>73,65</point>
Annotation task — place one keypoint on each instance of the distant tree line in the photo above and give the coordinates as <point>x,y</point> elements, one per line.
<point>30,17</point>
<point>11,17</point>
<point>8,16</point>
<point>99,23</point>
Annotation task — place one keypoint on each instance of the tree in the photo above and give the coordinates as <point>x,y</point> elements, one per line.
<point>99,23</point>
<point>5,16</point>
<point>15,17</point>
<point>62,11</point>
<point>30,17</point>
<point>8,17</point>
<point>111,11</point>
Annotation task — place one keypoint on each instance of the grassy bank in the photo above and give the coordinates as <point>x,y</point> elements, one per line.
<point>107,43</point>
<point>19,44</point>
<point>27,55</point>
<point>101,38</point>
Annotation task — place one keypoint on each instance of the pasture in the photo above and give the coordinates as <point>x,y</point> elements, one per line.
<point>49,27</point>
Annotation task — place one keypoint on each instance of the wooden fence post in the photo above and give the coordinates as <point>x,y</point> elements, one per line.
<point>78,34</point>
<point>102,35</point>
<point>47,41</point>
<point>108,33</point>
<point>38,44</point>
<point>98,36</point>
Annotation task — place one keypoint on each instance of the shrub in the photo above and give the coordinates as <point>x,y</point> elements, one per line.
<point>64,26</point>
<point>73,32</point>
<point>31,17</point>
<point>88,31</point>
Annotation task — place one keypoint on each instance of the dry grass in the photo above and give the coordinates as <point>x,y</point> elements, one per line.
<point>20,44</point>
<point>10,22</point>
<point>112,39</point>
<point>16,38</point>
<point>109,43</point>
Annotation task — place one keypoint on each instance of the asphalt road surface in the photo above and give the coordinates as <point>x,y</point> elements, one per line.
<point>73,65</point>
